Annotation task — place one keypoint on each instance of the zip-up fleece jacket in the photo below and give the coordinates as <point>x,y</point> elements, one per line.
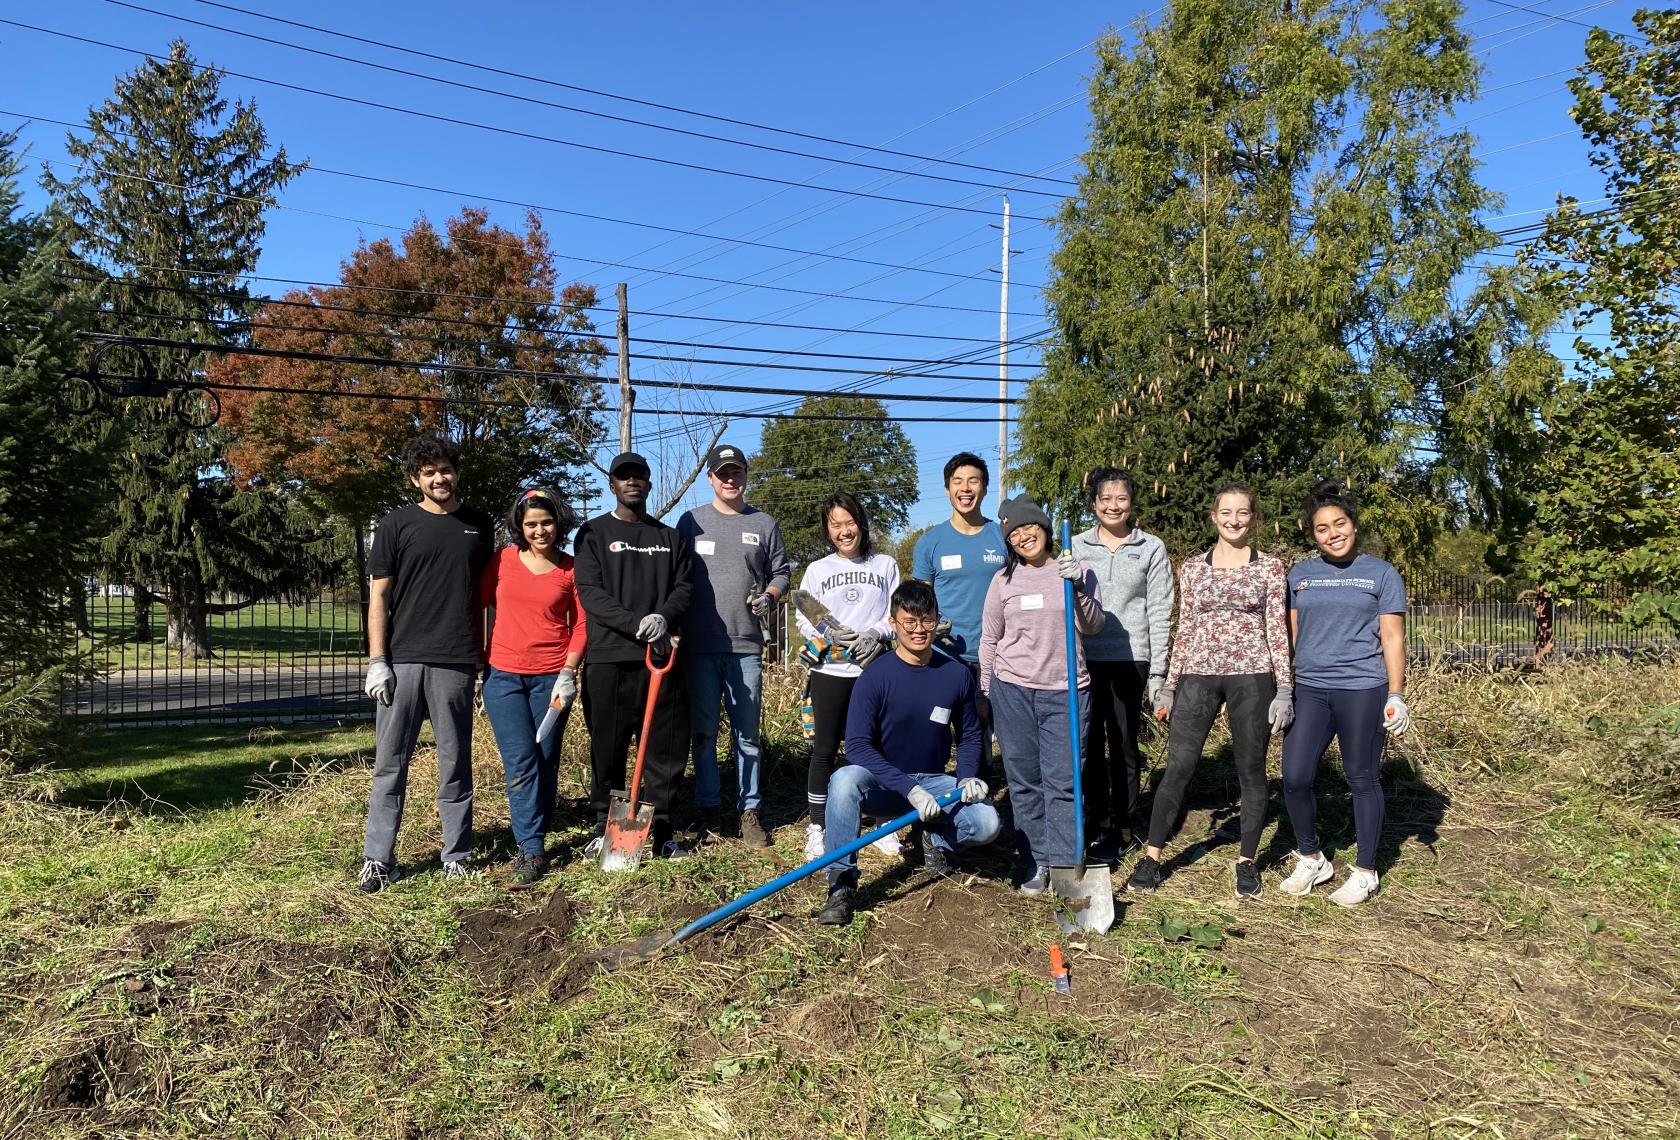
<point>626,571</point>
<point>1136,584</point>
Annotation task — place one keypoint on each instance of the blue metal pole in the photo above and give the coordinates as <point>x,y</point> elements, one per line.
<point>1073,705</point>
<point>811,868</point>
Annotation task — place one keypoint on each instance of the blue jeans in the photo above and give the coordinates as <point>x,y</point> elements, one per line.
<point>853,792</point>
<point>735,679</point>
<point>1032,725</point>
<point>516,704</point>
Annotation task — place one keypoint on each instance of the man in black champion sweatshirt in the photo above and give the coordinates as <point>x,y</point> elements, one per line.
<point>633,581</point>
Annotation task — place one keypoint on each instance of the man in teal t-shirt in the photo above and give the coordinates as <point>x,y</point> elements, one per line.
<point>959,558</point>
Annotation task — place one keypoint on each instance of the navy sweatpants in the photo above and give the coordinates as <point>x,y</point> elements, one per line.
<point>1355,718</point>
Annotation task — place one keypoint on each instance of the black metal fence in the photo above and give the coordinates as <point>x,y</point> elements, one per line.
<point>301,658</point>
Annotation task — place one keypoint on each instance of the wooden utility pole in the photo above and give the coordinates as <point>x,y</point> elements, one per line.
<point>626,396</point>
<point>1003,368</point>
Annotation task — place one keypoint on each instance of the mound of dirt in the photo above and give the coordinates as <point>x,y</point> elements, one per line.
<point>508,949</point>
<point>946,927</point>
<point>112,1065</point>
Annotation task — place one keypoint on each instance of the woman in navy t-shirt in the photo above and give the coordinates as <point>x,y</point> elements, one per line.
<point>1347,619</point>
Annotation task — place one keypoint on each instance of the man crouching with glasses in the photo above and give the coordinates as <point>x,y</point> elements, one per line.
<point>906,709</point>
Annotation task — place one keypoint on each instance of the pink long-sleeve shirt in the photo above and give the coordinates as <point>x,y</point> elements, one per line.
<point>1231,622</point>
<point>1023,630</point>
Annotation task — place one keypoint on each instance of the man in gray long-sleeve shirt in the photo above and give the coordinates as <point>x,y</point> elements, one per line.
<point>740,575</point>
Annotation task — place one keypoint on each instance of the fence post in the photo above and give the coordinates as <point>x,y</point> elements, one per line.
<point>1544,612</point>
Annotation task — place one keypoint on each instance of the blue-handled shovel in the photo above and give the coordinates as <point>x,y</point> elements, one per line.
<point>1088,892</point>
<point>651,945</point>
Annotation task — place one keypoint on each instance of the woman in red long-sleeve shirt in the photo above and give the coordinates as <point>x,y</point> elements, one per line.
<point>536,642</point>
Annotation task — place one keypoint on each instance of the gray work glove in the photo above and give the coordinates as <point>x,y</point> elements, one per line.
<point>1068,567</point>
<point>762,605</point>
<point>868,646</point>
<point>973,789</point>
<point>926,806</point>
<point>381,681</point>
<point>1397,718</point>
<point>1164,703</point>
<point>1280,714</point>
<point>565,689</point>
<point>842,635</point>
<point>654,627</point>
<point>1153,688</point>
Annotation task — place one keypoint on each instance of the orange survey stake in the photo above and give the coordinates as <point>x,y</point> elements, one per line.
<point>1058,968</point>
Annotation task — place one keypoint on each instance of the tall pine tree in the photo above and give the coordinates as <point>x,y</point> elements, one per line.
<point>165,212</point>
<point>1256,278</point>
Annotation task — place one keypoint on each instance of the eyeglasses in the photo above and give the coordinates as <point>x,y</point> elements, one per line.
<point>918,625</point>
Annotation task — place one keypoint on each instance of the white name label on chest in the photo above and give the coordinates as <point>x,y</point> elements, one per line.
<point>950,562</point>
<point>705,546</point>
<point>940,715</point>
<point>1032,601</point>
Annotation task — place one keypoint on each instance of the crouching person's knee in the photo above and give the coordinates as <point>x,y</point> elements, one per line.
<point>977,825</point>
<point>848,785</point>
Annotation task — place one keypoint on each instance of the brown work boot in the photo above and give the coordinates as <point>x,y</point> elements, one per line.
<point>752,831</point>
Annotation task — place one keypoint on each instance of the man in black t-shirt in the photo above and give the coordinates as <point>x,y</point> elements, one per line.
<point>633,583</point>
<point>425,645</point>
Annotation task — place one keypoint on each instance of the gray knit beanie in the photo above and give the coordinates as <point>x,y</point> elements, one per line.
<point>1021,511</point>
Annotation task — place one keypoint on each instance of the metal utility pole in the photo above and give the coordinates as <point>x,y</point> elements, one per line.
<point>1003,368</point>
<point>626,397</point>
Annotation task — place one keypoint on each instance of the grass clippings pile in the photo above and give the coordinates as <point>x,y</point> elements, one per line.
<point>182,953</point>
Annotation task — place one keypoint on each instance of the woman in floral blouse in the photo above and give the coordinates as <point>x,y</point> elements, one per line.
<point>1231,649</point>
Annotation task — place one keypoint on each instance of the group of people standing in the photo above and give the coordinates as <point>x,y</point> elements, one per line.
<point>906,673</point>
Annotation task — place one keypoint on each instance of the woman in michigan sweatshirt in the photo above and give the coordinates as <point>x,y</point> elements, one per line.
<point>1023,669</point>
<point>856,586</point>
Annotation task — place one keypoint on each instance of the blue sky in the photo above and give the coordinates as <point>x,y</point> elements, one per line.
<point>998,86</point>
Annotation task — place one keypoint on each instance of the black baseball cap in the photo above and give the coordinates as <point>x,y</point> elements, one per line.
<point>628,459</point>
<point>723,455</point>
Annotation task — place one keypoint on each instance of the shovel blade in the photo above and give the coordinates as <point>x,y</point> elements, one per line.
<point>1088,898</point>
<point>626,836</point>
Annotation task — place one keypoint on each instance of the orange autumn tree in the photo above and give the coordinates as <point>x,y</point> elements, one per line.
<point>475,296</point>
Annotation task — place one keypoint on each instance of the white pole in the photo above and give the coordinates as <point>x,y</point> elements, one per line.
<point>1003,368</point>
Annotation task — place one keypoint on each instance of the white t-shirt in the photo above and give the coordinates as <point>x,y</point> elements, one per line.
<point>856,591</point>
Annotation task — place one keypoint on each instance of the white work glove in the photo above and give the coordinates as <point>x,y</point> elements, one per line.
<point>381,681</point>
<point>869,643</point>
<point>1397,718</point>
<point>1068,567</point>
<point>565,689</point>
<point>1280,714</point>
<point>926,806</point>
<point>973,789</point>
<point>1164,703</point>
<point>1152,689</point>
<point>654,627</point>
<point>762,605</point>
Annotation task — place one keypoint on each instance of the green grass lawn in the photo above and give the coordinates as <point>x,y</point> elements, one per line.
<point>182,953</point>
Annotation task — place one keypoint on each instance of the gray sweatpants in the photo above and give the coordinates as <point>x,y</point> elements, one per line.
<point>444,694</point>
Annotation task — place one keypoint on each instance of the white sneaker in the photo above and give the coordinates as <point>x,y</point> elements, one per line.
<point>456,869</point>
<point>1359,886</point>
<point>1309,872</point>
<point>813,842</point>
<point>592,849</point>
<point>889,845</point>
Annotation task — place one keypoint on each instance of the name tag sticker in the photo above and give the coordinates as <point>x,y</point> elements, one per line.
<point>940,715</point>
<point>1032,601</point>
<point>950,562</point>
<point>749,538</point>
<point>705,546</point>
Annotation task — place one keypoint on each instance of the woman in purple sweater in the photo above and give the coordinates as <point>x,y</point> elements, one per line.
<point>1023,670</point>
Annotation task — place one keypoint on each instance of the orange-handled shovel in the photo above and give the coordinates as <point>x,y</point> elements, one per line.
<point>629,822</point>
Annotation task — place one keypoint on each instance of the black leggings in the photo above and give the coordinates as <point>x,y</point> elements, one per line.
<point>1355,718</point>
<point>829,697</point>
<point>1246,698</point>
<point>1114,774</point>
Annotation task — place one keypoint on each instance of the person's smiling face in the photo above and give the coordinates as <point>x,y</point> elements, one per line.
<point>965,488</point>
<point>1031,542</point>
<point>1113,504</point>
<point>437,482</point>
<point>629,485</point>
<point>843,532</point>
<point>1335,533</point>
<point>1233,517</point>
<point>539,529</point>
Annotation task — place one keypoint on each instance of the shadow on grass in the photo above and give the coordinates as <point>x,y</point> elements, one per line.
<point>192,768</point>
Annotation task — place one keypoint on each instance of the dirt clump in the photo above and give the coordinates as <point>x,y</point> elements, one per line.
<point>110,1066</point>
<point>509,949</point>
<point>947,927</point>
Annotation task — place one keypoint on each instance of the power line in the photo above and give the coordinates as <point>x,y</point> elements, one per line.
<point>513,132</point>
<point>1563,19</point>
<point>638,102</point>
<point>576,110</point>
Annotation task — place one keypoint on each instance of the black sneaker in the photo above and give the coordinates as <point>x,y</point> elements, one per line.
<point>374,877</point>
<point>1146,876</point>
<point>527,869</point>
<point>934,860</point>
<point>837,911</point>
<point>706,826</point>
<point>1248,879</point>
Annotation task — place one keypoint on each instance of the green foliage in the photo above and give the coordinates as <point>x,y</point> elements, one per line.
<point>1255,279</point>
<point>165,214</point>
<point>804,460</point>
<point>1606,489</point>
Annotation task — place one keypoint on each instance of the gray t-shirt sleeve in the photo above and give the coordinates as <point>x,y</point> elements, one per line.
<point>1391,591</point>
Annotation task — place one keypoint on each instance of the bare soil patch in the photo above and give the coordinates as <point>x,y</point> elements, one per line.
<point>508,949</point>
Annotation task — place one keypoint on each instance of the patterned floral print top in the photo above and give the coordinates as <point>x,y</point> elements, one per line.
<point>1231,622</point>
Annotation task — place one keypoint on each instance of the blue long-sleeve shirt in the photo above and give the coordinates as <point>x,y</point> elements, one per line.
<point>903,717</point>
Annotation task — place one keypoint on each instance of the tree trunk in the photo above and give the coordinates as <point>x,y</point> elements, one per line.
<point>362,578</point>
<point>189,628</point>
<point>79,609</point>
<point>142,614</point>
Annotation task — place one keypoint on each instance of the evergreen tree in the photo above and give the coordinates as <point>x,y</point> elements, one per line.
<point>50,475</point>
<point>853,448</point>
<point>1607,486</point>
<point>1255,279</point>
<point>165,213</point>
